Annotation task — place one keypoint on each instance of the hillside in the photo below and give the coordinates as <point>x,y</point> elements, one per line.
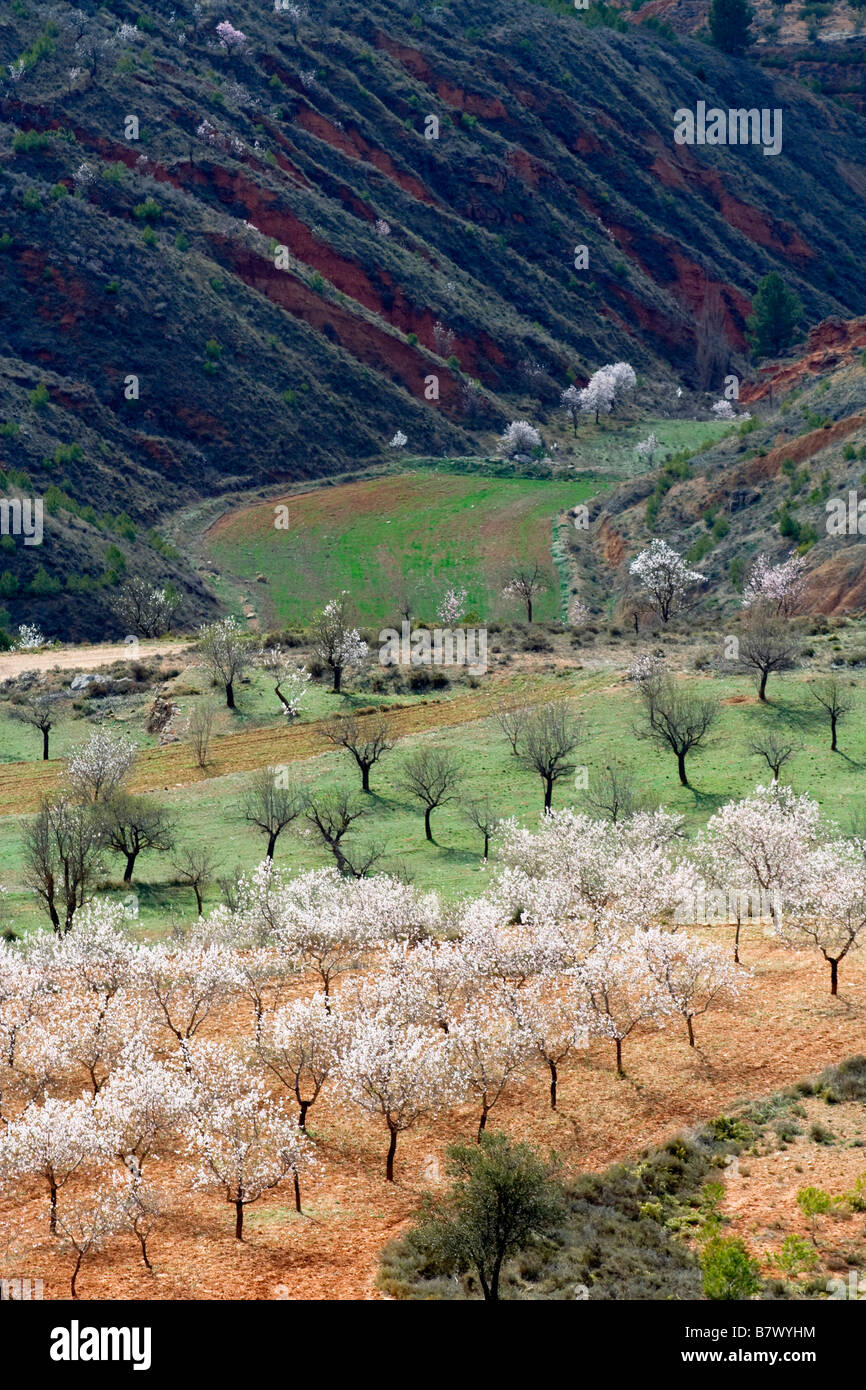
<point>165,349</point>
<point>801,444</point>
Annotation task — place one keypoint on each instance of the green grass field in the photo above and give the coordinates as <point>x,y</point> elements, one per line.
<point>425,531</point>
<point>208,811</point>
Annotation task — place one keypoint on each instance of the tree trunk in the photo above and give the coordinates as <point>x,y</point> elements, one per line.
<point>142,1240</point>
<point>45,745</point>
<point>681,764</point>
<point>762,689</point>
<point>52,1224</point>
<point>230,694</point>
<point>486,844</point>
<point>75,1274</point>
<point>130,865</point>
<point>302,1116</point>
<point>553,1078</point>
<point>365,776</point>
<point>392,1149</point>
<point>529,610</point>
<point>427,831</point>
<point>548,793</point>
<point>834,977</point>
<point>297,1186</point>
<point>494,1279</point>
<point>691,1030</point>
<point>482,1123</point>
<point>737,943</point>
<point>272,841</point>
<point>198,902</point>
<point>833,748</point>
<point>338,679</point>
<point>239,1220</point>
<point>619,1066</point>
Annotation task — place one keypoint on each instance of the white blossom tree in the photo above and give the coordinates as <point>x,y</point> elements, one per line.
<point>401,1075</point>
<point>779,586</point>
<point>551,1016</point>
<point>619,992</point>
<point>226,653</point>
<point>100,766</point>
<point>519,438</point>
<point>769,835</point>
<point>664,577</point>
<point>246,1147</point>
<point>51,1142</point>
<point>337,642</point>
<point>827,906</point>
<point>491,1049</point>
<point>301,1045</point>
<point>694,975</point>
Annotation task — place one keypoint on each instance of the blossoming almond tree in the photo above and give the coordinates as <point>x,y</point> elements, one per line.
<point>491,1048</point>
<point>246,1147</point>
<point>337,642</point>
<point>401,1075</point>
<point>619,992</point>
<point>769,835</point>
<point>100,766</point>
<point>827,907</point>
<point>664,577</point>
<point>780,585</point>
<point>52,1141</point>
<point>142,1106</point>
<point>693,975</point>
<point>300,1044</point>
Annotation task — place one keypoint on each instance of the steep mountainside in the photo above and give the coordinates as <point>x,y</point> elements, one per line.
<point>223,266</point>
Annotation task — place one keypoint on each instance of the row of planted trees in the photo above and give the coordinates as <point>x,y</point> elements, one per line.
<point>401,1006</point>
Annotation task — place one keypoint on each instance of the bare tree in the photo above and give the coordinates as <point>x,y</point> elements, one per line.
<point>548,738</point>
<point>484,817</point>
<point>194,866</point>
<point>200,732</point>
<point>269,806</point>
<point>616,794</point>
<point>835,702</point>
<point>767,644</point>
<point>131,824</point>
<point>39,712</point>
<point>367,740</point>
<point>511,720</point>
<point>333,814</point>
<point>145,608</point>
<point>712,349</point>
<point>677,718</point>
<point>61,858</point>
<point>524,582</point>
<point>431,775</point>
<point>775,750</point>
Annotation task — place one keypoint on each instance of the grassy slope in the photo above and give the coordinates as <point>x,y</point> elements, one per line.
<point>435,529</point>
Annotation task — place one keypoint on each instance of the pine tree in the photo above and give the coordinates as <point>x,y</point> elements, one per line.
<point>776,311</point>
<point>730,21</point>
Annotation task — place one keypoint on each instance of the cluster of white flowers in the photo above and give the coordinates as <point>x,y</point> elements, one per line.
<point>776,585</point>
<point>29,638</point>
<point>603,391</point>
<point>398,440</point>
<point>452,607</point>
<point>520,437</point>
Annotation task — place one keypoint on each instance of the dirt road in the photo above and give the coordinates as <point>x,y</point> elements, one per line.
<point>85,658</point>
